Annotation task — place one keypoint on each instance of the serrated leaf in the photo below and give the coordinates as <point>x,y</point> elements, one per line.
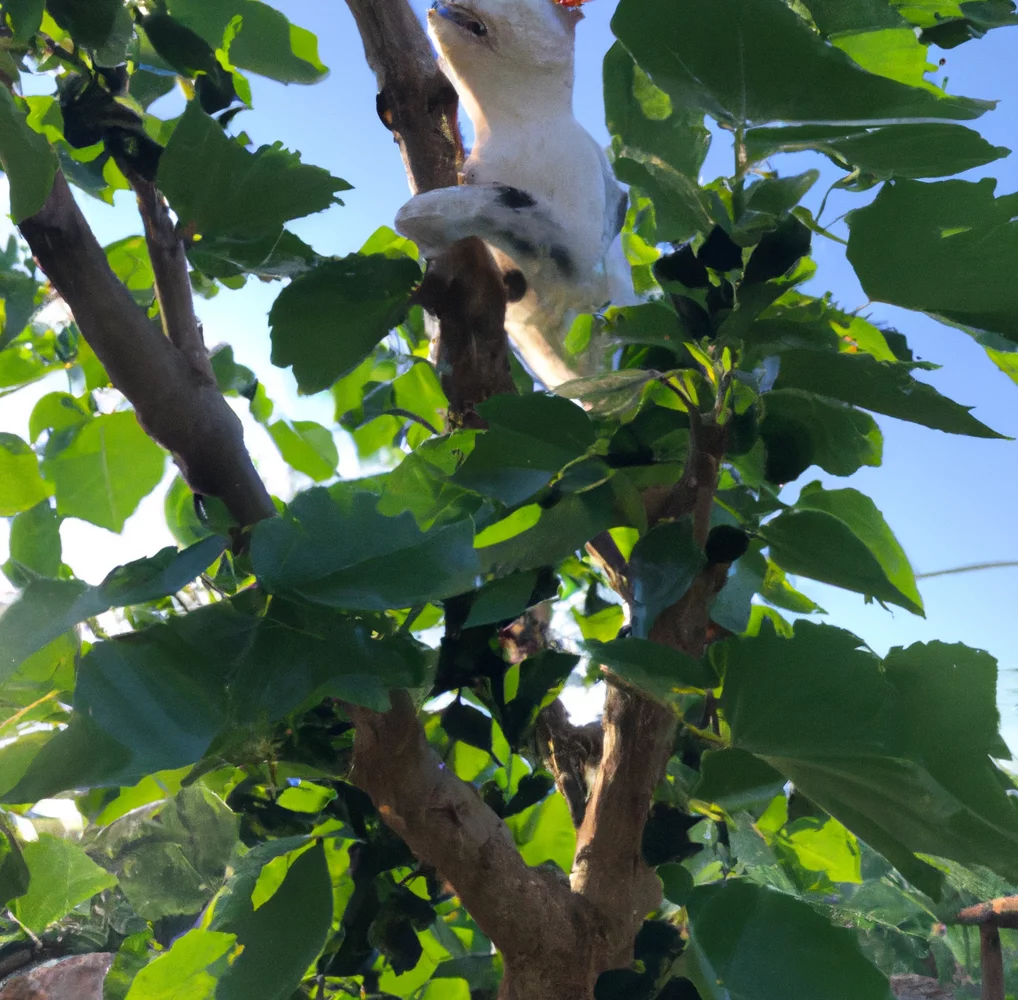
<point>881,386</point>
<point>960,243</point>
<point>908,149</point>
<point>800,429</point>
<point>265,42</point>
<point>103,469</point>
<point>354,557</point>
<point>62,876</point>
<point>326,322</point>
<point>839,537</point>
<point>219,189</point>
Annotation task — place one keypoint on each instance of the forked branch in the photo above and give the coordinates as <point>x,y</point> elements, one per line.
<point>177,401</point>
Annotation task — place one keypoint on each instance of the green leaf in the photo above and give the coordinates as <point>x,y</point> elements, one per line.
<point>961,246</point>
<point>21,485</point>
<point>326,322</point>
<point>187,971</point>
<point>57,411</point>
<point>734,779</point>
<point>839,537</point>
<point>89,22</point>
<point>657,147</point>
<point>662,567</point>
<point>219,189</point>
<point>265,42</point>
<point>909,149</point>
<point>103,469</point>
<point>285,934</point>
<point>25,17</point>
<point>48,608</point>
<point>777,195</point>
<point>530,438</point>
<point>800,429</point>
<point>35,540</point>
<point>881,386</point>
<point>755,943</point>
<point>545,833</point>
<point>502,600</point>
<point>659,670</point>
<point>62,876</point>
<point>835,17</point>
<point>824,846</point>
<point>554,533</point>
<point>676,882</point>
<point>351,556</point>
<point>131,263</point>
<point>724,65</point>
<point>170,857</point>
<point>14,874</point>
<point>307,447</point>
<point>889,751</point>
<point>608,395</point>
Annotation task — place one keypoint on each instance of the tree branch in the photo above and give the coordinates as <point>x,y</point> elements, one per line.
<point>609,869</point>
<point>525,910</point>
<point>172,279</point>
<point>179,405</point>
<point>463,286</point>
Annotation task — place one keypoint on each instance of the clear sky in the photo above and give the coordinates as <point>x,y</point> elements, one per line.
<point>951,500</point>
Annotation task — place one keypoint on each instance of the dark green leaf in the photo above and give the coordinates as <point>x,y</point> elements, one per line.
<point>57,411</point>
<point>327,321</point>
<point>777,195</point>
<point>909,149</point>
<point>961,245</point>
<point>533,788</point>
<point>834,17</point>
<point>764,945</point>
<point>219,189</point>
<point>676,882</point>
<point>882,386</point>
<point>657,147</point>
<point>610,394</point>
<point>502,600</point>
<point>468,725</point>
<point>800,429</point>
<point>103,469</point>
<point>661,671</point>
<point>48,608</point>
<point>663,565</point>
<point>734,779</point>
<point>725,65</point>
<point>62,876</point>
<point>530,438</point>
<point>880,750</point>
<point>14,873</point>
<point>26,158</point>
<point>285,933</point>
<point>839,537</point>
<point>26,17</point>
<point>88,22</point>
<point>546,535</point>
<point>354,557</point>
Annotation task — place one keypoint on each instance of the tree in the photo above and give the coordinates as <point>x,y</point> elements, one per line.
<point>276,804</point>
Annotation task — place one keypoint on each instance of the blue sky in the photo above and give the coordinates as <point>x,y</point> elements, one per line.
<point>950,500</point>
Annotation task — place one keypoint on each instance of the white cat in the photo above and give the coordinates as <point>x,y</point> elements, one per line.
<point>536,187</point>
